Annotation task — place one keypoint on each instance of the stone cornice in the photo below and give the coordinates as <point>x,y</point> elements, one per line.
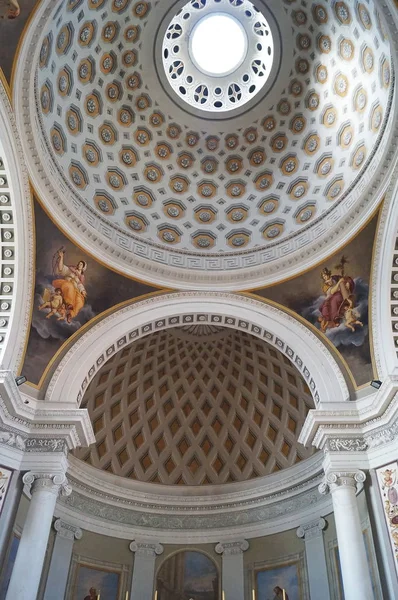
<point>356,428</point>
<point>151,497</point>
<point>115,506</point>
<point>41,427</point>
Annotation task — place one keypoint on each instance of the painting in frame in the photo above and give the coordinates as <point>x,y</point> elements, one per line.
<point>92,581</point>
<point>278,582</point>
<point>188,574</point>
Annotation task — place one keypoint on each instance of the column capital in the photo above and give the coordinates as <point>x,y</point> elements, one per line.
<point>55,483</point>
<point>146,549</point>
<point>334,480</point>
<point>312,529</point>
<point>67,531</point>
<point>231,548</point>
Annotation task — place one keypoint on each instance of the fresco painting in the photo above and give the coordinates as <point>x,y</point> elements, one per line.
<point>278,583</point>
<point>92,583</point>
<point>71,289</point>
<point>188,575</point>
<point>334,298</point>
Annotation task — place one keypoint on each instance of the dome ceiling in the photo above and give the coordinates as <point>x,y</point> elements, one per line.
<point>174,188</point>
<point>197,405</point>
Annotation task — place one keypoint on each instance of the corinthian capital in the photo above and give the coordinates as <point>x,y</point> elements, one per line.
<point>231,548</point>
<point>50,482</point>
<point>334,480</point>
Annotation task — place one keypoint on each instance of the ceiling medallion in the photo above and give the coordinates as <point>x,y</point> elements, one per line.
<point>217,56</point>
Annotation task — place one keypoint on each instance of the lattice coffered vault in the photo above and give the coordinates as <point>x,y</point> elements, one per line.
<point>197,405</point>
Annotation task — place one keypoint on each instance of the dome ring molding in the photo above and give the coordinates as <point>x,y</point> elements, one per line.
<point>126,509</point>
<point>169,267</point>
<point>306,351</point>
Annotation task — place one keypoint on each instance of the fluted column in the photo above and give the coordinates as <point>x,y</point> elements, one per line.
<point>60,559</point>
<point>144,569</point>
<point>352,551</point>
<point>25,578</point>
<point>232,568</point>
<point>312,534</point>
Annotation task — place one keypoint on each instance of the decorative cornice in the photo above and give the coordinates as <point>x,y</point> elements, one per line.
<point>368,424</point>
<point>311,530</point>
<point>232,548</point>
<point>41,427</point>
<point>67,531</point>
<point>54,483</point>
<point>335,480</point>
<point>145,549</point>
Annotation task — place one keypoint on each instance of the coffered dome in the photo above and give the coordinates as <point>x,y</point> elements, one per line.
<point>197,405</point>
<point>172,189</point>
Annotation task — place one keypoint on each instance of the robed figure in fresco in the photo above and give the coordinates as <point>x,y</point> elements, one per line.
<point>339,305</point>
<point>71,284</point>
<point>69,295</point>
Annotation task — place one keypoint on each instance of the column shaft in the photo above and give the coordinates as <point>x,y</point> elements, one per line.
<point>316,560</point>
<point>352,551</point>
<point>60,559</point>
<point>26,574</point>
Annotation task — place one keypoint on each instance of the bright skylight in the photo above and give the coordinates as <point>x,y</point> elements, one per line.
<point>218,44</point>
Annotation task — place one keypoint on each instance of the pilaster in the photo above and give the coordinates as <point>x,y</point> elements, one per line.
<point>312,534</point>
<point>57,578</point>
<point>232,568</point>
<point>145,554</point>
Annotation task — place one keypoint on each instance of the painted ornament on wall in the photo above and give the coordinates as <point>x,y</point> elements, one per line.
<point>388,484</point>
<point>5,478</point>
